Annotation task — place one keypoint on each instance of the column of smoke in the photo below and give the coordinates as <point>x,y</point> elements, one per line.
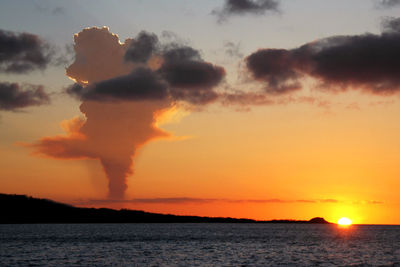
<point>112,131</point>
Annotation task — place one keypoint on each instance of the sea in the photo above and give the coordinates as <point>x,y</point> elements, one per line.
<point>198,244</point>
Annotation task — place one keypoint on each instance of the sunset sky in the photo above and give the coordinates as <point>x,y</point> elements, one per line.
<point>260,109</point>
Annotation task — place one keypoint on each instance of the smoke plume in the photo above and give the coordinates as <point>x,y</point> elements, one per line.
<point>125,88</point>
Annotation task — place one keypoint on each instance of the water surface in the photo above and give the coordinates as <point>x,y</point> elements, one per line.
<point>198,245</point>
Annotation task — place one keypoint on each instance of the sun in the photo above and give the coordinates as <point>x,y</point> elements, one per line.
<point>344,221</point>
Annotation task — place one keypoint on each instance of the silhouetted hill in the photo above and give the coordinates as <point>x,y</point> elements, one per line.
<point>318,220</point>
<point>24,209</point>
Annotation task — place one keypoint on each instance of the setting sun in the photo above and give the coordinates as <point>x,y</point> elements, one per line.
<point>344,221</point>
<point>242,132</point>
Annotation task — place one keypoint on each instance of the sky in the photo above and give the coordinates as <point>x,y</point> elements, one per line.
<point>259,109</point>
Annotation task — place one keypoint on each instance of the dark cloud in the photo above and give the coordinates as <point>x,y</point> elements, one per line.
<point>370,62</point>
<point>141,84</point>
<point>388,3</point>
<point>277,67</point>
<point>176,53</point>
<point>191,74</point>
<point>183,75</point>
<point>251,6</point>
<point>189,77</point>
<point>241,7</point>
<point>196,97</point>
<point>14,96</point>
<point>142,47</point>
<point>23,52</point>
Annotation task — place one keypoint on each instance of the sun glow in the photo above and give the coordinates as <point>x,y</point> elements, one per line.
<point>344,221</point>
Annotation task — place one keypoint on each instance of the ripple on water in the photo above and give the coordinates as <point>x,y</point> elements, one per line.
<point>198,244</point>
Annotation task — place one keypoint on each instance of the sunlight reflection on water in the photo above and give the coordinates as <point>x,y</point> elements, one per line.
<point>198,244</point>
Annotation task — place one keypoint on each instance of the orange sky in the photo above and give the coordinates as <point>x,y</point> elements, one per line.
<point>298,154</point>
<point>310,153</point>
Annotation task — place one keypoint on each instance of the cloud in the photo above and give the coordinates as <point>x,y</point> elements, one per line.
<point>233,50</point>
<point>100,60</point>
<point>23,52</point>
<point>276,67</point>
<point>388,3</point>
<point>190,78</point>
<point>391,25</point>
<point>111,131</point>
<point>163,71</point>
<point>242,7</point>
<point>142,47</point>
<point>243,100</point>
<point>141,84</point>
<point>63,57</point>
<point>14,96</point>
<point>246,99</point>
<point>125,88</point>
<point>191,200</point>
<point>183,69</point>
<point>57,10</point>
<point>368,62</point>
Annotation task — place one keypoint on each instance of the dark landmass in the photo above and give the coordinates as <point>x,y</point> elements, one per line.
<point>24,209</point>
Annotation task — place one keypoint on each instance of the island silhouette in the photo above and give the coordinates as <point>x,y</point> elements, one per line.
<point>25,209</point>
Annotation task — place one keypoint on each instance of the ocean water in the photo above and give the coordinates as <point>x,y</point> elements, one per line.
<point>198,245</point>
